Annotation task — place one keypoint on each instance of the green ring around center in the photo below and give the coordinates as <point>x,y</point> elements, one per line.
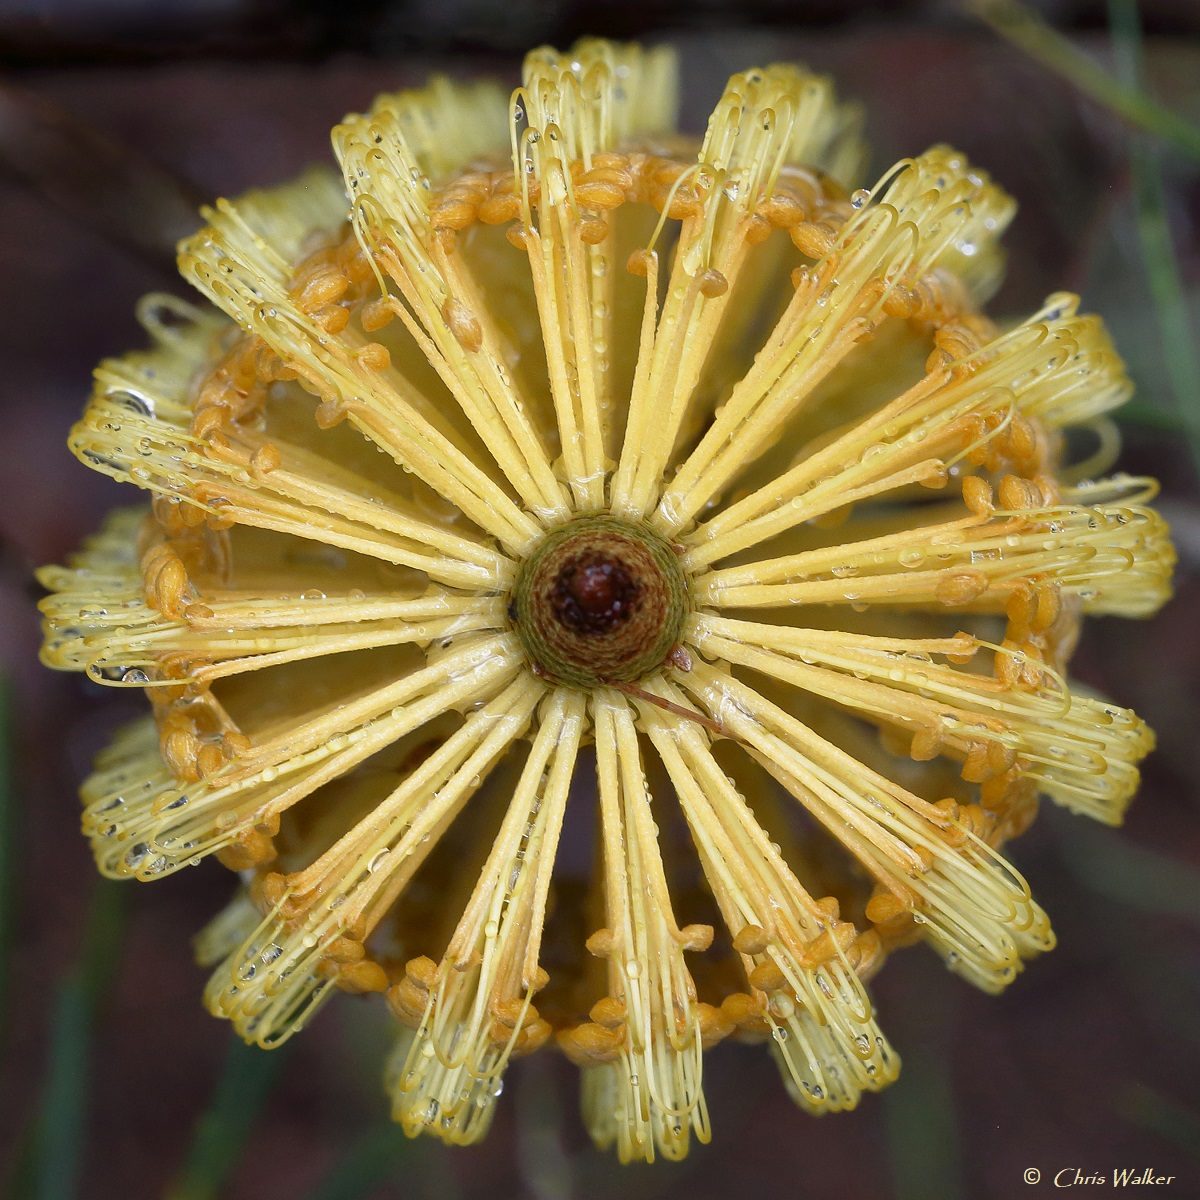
<point>634,648</point>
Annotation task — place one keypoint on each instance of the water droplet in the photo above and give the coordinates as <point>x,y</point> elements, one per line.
<point>782,1006</point>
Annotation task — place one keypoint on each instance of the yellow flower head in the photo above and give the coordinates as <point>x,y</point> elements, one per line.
<point>541,461</point>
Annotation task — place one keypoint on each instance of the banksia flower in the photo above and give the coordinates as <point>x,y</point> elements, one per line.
<point>603,592</point>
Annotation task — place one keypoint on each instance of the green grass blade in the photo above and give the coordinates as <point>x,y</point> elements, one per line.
<point>1137,412</point>
<point>1026,30</point>
<point>225,1128</point>
<point>59,1133</point>
<point>1154,235</point>
<point>920,1110</point>
<point>370,1161</point>
<point>915,1118</point>
<point>541,1155</point>
<point>8,858</point>
<point>1140,879</point>
<point>1150,1110</point>
<point>58,1141</point>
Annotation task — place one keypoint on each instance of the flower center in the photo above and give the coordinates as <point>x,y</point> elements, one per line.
<point>600,600</point>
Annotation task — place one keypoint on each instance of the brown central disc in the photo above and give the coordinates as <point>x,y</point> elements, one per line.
<point>600,600</point>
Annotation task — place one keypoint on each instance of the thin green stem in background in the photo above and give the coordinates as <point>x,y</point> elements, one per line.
<point>373,1158</point>
<point>384,1156</point>
<point>1154,235</point>
<point>225,1127</point>
<point>55,1153</point>
<point>541,1155</point>
<point>920,1110</point>
<point>1026,29</point>
<point>8,859</point>
<point>1150,1110</point>
<point>1141,879</point>
<point>1126,96</point>
<point>1137,412</point>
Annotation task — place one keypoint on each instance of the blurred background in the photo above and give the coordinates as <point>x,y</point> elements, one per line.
<point>117,118</point>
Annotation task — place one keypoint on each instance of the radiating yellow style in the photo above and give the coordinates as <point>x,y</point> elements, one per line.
<point>551,316</point>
